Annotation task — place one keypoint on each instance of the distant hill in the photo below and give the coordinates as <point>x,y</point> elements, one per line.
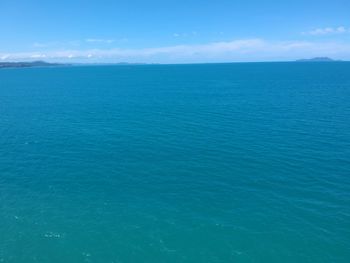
<point>29,64</point>
<point>317,59</point>
<point>111,64</point>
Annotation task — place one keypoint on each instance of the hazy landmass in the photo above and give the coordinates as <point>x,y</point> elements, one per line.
<point>318,59</point>
<point>29,64</point>
<point>112,64</point>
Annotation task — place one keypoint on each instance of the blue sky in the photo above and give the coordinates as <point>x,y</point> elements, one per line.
<point>173,31</point>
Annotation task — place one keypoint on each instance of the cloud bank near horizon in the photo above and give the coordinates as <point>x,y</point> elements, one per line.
<point>328,31</point>
<point>242,50</point>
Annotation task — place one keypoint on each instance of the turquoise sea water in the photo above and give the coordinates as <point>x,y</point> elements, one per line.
<point>175,163</point>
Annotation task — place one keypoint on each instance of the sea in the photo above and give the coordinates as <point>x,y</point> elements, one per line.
<point>207,163</point>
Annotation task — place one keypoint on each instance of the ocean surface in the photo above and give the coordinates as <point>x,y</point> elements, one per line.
<point>175,163</point>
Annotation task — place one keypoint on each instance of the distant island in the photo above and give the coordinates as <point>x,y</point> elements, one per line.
<point>112,64</point>
<point>29,64</point>
<point>318,59</point>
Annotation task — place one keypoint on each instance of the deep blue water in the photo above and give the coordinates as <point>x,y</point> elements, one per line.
<point>175,163</point>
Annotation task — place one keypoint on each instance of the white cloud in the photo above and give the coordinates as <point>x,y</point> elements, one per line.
<point>38,55</point>
<point>191,34</point>
<point>236,50</point>
<point>56,44</point>
<point>40,45</point>
<point>99,40</point>
<point>327,31</point>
